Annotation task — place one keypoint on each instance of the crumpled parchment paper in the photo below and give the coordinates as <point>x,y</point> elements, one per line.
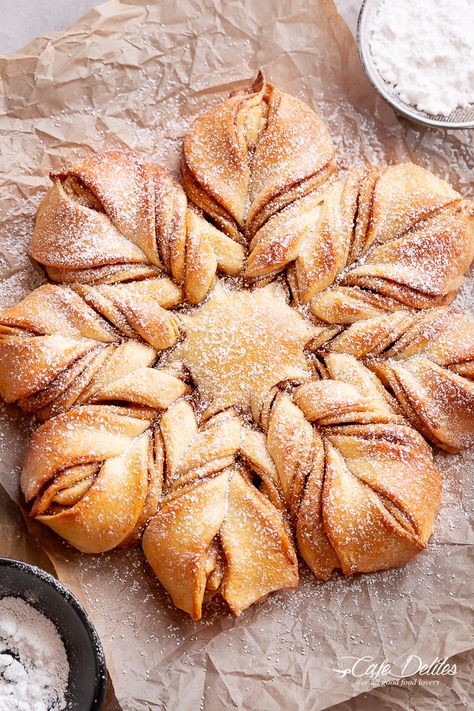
<point>133,75</point>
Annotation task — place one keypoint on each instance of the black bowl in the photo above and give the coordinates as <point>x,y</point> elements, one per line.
<point>87,675</point>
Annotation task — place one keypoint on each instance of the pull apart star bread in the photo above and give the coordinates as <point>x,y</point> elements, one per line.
<point>235,373</point>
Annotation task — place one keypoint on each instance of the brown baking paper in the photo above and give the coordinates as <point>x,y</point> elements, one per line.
<point>133,75</point>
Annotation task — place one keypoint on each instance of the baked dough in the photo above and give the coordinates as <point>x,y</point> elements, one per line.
<point>389,237</point>
<point>258,164</point>
<point>237,375</point>
<point>426,359</point>
<point>361,485</point>
<point>114,218</point>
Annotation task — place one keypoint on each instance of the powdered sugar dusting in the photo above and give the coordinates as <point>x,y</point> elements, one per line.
<point>426,53</point>
<point>309,625</point>
<point>241,347</point>
<point>34,668</point>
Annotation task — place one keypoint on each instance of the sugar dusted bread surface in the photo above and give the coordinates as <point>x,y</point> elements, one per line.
<point>242,369</point>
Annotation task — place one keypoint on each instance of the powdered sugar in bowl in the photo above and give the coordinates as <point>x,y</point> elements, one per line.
<point>51,657</point>
<point>419,56</point>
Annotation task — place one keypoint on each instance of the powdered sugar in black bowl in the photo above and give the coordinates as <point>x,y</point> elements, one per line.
<point>47,642</point>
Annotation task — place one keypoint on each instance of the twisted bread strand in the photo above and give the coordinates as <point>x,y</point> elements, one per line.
<point>427,360</point>
<point>113,218</point>
<point>104,313</point>
<point>393,237</point>
<point>124,458</point>
<point>214,531</point>
<point>94,475</point>
<point>360,485</point>
<point>256,164</point>
<point>99,474</point>
<point>61,347</point>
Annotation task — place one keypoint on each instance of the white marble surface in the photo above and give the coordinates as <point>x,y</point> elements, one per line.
<point>22,20</point>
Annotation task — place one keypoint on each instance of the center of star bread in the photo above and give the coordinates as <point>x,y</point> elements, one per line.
<point>239,344</point>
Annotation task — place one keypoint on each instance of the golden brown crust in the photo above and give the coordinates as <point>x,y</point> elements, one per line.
<point>250,163</point>
<point>260,164</point>
<point>391,238</point>
<point>110,450</point>
<point>427,361</point>
<point>159,453</point>
<point>99,475</point>
<point>367,488</point>
<point>114,217</point>
<point>212,512</point>
<point>62,346</point>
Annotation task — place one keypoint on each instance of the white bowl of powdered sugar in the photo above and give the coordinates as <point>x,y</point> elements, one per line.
<point>51,658</point>
<point>419,55</point>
